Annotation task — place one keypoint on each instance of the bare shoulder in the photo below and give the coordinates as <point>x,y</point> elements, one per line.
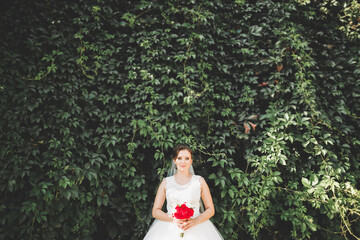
<point>163,182</point>
<point>162,185</point>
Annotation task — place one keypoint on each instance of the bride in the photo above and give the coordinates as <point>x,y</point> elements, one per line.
<point>183,187</point>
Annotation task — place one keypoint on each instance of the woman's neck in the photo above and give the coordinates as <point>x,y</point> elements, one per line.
<point>183,174</point>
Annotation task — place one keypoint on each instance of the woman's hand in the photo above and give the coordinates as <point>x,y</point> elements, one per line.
<point>189,223</point>
<point>179,222</point>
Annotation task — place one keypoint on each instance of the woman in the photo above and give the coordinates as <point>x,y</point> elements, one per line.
<point>184,187</point>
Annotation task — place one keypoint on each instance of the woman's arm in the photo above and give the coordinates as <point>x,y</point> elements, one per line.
<point>208,204</point>
<point>159,202</point>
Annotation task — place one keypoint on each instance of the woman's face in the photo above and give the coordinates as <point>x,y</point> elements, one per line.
<point>183,160</point>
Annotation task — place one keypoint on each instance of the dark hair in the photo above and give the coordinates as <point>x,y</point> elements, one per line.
<point>180,147</point>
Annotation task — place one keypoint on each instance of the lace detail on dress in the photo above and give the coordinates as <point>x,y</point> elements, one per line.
<point>188,193</point>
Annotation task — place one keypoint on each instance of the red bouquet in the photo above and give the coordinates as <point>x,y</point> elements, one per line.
<point>183,212</point>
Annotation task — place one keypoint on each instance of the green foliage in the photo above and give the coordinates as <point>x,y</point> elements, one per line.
<point>95,94</point>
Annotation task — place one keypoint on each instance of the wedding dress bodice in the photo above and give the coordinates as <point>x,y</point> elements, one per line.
<point>189,193</point>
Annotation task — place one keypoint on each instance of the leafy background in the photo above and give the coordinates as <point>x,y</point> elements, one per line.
<point>95,94</point>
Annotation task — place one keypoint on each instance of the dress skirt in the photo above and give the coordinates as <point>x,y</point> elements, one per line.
<point>161,230</point>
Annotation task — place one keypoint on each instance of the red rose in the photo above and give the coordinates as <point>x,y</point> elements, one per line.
<point>183,212</point>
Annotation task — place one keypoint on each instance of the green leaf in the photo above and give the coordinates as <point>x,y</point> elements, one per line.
<point>231,193</point>
<point>212,176</point>
<point>305,182</point>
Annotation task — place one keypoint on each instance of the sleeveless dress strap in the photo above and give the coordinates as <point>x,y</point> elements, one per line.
<point>197,178</point>
<point>170,181</point>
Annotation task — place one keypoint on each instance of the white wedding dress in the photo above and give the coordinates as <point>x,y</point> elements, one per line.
<point>177,194</point>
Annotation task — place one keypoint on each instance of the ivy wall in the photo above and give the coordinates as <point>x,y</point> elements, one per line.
<point>95,94</point>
